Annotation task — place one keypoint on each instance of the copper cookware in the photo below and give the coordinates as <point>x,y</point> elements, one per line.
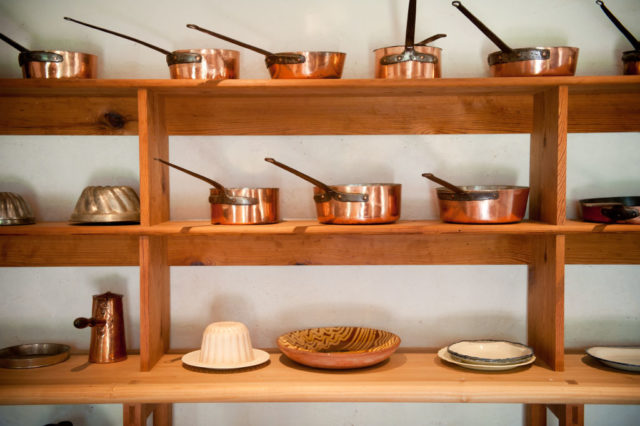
<point>528,61</point>
<point>611,210</point>
<point>54,63</point>
<point>369,203</point>
<point>107,329</point>
<point>238,206</point>
<point>292,65</point>
<point>413,60</point>
<point>480,203</point>
<point>196,64</point>
<point>630,58</point>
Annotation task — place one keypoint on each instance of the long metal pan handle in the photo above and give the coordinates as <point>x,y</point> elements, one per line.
<point>430,39</point>
<point>340,196</point>
<point>231,40</point>
<point>635,43</point>
<point>411,25</point>
<point>444,183</point>
<point>144,43</point>
<point>13,43</point>
<point>482,27</point>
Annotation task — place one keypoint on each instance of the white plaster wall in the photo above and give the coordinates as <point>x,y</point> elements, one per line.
<point>426,305</point>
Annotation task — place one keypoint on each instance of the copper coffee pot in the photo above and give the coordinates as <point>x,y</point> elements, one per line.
<point>107,332</point>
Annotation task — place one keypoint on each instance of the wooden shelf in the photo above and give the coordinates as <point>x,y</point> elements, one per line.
<point>406,377</point>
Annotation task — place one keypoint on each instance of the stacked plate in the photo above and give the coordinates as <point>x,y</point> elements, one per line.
<point>621,358</point>
<point>487,355</point>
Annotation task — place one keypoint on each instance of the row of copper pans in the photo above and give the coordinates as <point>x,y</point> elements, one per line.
<point>411,60</point>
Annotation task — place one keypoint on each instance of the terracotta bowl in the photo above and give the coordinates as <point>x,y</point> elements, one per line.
<point>338,347</point>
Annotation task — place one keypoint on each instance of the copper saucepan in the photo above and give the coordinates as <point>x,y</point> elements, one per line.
<point>290,65</point>
<point>195,64</point>
<point>611,210</point>
<point>369,203</point>
<point>54,63</point>
<point>238,206</point>
<point>630,58</point>
<point>528,61</point>
<point>413,60</point>
<point>480,203</point>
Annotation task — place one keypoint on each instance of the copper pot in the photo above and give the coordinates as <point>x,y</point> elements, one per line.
<point>611,210</point>
<point>238,206</point>
<point>292,65</point>
<point>630,58</point>
<point>527,61</point>
<point>480,203</point>
<point>195,64</point>
<point>368,203</point>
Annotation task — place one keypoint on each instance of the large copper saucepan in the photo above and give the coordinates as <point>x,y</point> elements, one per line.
<point>480,203</point>
<point>630,58</point>
<point>54,63</point>
<point>528,61</point>
<point>292,65</point>
<point>238,206</point>
<point>611,210</point>
<point>195,64</point>
<point>413,60</point>
<point>369,203</point>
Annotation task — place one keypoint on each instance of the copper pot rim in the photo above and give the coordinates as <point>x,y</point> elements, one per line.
<point>481,188</point>
<point>574,51</point>
<point>311,52</point>
<point>73,52</point>
<point>240,188</point>
<point>206,50</point>
<point>402,45</point>
<point>363,185</point>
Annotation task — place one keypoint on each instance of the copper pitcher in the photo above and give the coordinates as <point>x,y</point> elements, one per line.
<point>107,329</point>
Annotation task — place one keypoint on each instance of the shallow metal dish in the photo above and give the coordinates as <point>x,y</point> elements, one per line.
<point>338,347</point>
<point>33,355</point>
<point>14,210</point>
<point>107,204</point>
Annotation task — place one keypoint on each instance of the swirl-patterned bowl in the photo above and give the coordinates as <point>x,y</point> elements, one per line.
<point>338,347</point>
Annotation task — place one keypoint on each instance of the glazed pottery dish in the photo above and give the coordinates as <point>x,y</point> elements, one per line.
<point>226,345</point>
<point>33,355</point>
<point>490,352</point>
<point>444,355</point>
<point>338,347</point>
<point>627,359</point>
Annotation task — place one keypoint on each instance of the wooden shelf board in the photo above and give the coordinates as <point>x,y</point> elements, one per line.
<point>407,376</point>
<point>65,228</point>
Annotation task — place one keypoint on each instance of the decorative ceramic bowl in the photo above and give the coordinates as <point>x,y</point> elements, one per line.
<point>226,345</point>
<point>107,204</point>
<point>622,358</point>
<point>490,352</point>
<point>14,210</point>
<point>338,347</point>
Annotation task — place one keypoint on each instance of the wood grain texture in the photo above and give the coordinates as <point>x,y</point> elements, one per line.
<point>137,414</point>
<point>155,305</point>
<point>545,300</point>
<point>406,377</point>
<point>535,415</point>
<point>614,249</point>
<point>68,250</point>
<point>548,157</point>
<point>568,415</point>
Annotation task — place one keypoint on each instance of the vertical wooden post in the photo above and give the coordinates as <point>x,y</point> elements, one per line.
<point>137,414</point>
<point>154,209</point>
<point>568,415</point>
<point>535,415</point>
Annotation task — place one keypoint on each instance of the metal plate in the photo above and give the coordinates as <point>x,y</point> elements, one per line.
<point>33,355</point>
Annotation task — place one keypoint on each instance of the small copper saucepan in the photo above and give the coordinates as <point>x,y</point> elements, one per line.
<point>195,64</point>
<point>363,204</point>
<point>54,63</point>
<point>630,58</point>
<point>292,65</point>
<point>480,203</point>
<point>238,206</point>
<point>527,61</point>
<point>611,210</point>
<point>413,60</point>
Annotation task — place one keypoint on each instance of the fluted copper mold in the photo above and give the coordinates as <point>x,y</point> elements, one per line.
<point>107,204</point>
<point>14,210</point>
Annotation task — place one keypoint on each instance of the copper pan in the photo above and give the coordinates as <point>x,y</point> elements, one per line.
<point>195,64</point>
<point>480,203</point>
<point>630,58</point>
<point>611,210</point>
<point>352,204</point>
<point>527,61</point>
<point>413,60</point>
<point>54,63</point>
<point>238,206</point>
<point>292,65</point>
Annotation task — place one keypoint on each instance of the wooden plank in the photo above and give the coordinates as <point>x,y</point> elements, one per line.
<point>614,249</point>
<point>604,112</point>
<point>406,377</point>
<point>155,305</point>
<point>68,115</point>
<point>65,228</point>
<point>568,415</point>
<point>75,250</point>
<point>137,414</point>
<point>545,300</point>
<point>301,249</point>
<point>535,415</point>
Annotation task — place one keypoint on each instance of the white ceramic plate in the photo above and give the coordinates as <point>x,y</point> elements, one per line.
<point>192,359</point>
<point>621,358</point>
<point>490,352</point>
<point>446,356</point>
